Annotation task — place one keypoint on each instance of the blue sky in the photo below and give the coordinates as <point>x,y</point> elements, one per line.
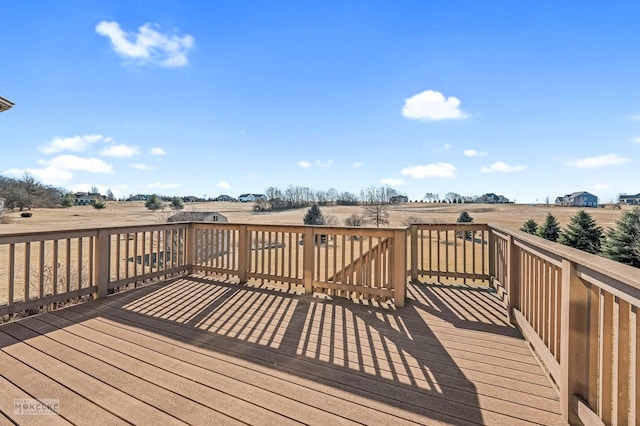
<point>529,99</point>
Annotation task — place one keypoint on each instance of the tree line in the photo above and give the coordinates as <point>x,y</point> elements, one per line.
<point>620,243</point>
<point>27,193</point>
<point>294,197</point>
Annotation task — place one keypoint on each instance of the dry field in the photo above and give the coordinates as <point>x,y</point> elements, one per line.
<point>510,216</point>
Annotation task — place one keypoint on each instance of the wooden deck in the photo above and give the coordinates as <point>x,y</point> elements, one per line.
<point>199,351</point>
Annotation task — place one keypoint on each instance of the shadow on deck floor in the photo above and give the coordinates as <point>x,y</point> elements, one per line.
<point>201,351</point>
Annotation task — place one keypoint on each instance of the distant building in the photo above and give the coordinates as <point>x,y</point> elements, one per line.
<point>631,200</point>
<point>492,198</point>
<point>2,201</point>
<point>198,217</point>
<point>139,197</point>
<point>5,104</point>
<point>399,199</point>
<point>247,198</point>
<point>224,197</point>
<point>86,198</point>
<point>578,199</point>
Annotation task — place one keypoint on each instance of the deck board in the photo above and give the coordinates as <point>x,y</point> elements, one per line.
<point>200,351</point>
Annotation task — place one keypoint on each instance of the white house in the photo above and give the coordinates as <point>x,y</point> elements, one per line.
<point>632,200</point>
<point>86,198</point>
<point>246,198</point>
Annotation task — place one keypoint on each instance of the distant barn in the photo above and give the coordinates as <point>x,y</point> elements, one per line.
<point>198,217</point>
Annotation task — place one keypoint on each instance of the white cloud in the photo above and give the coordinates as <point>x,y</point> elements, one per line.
<point>160,185</point>
<point>501,167</point>
<point>599,161</point>
<point>432,106</point>
<point>304,164</point>
<point>636,117</point>
<point>120,151</point>
<point>321,164</point>
<point>474,153</point>
<point>73,162</point>
<point>635,140</point>
<point>158,151</point>
<point>141,166</point>
<point>223,184</point>
<point>440,170</point>
<point>73,143</point>
<point>47,175</point>
<point>357,164</point>
<point>393,182</point>
<point>148,45</point>
<point>601,186</point>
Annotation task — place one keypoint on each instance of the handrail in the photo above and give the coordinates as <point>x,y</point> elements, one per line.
<point>579,312</point>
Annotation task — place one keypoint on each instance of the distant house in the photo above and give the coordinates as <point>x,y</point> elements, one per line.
<point>86,198</point>
<point>198,217</point>
<point>247,198</point>
<point>139,197</point>
<point>5,104</point>
<point>193,199</point>
<point>224,198</point>
<point>492,198</point>
<point>399,199</point>
<point>631,200</point>
<point>578,199</point>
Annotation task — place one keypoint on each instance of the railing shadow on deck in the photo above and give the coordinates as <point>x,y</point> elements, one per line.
<point>381,356</point>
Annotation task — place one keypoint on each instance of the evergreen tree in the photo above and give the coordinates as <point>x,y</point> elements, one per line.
<point>154,202</point>
<point>582,233</point>
<point>69,200</point>
<point>620,242</point>
<point>550,230</point>
<point>464,218</point>
<point>99,204</point>
<point>313,216</point>
<point>530,227</point>
<point>177,203</point>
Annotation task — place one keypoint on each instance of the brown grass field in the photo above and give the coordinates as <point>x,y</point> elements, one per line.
<point>510,216</point>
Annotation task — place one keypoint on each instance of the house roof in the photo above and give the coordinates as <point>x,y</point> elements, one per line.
<point>5,104</point>
<point>575,194</point>
<point>629,196</point>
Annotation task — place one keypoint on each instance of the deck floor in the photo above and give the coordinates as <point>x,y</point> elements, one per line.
<point>195,350</point>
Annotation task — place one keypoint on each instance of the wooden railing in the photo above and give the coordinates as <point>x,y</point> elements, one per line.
<point>348,262</point>
<point>47,270</point>
<point>578,311</point>
<point>450,253</point>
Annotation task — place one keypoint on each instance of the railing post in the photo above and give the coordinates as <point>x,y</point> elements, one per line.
<point>513,279</point>
<point>307,256</point>
<point>244,252</point>
<point>414,251</point>
<point>574,334</point>
<point>492,255</point>
<point>399,267</point>
<point>103,260</point>
<point>191,245</point>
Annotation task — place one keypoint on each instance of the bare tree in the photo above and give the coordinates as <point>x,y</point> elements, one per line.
<point>332,196</point>
<point>354,220</point>
<point>376,200</point>
<point>411,220</point>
